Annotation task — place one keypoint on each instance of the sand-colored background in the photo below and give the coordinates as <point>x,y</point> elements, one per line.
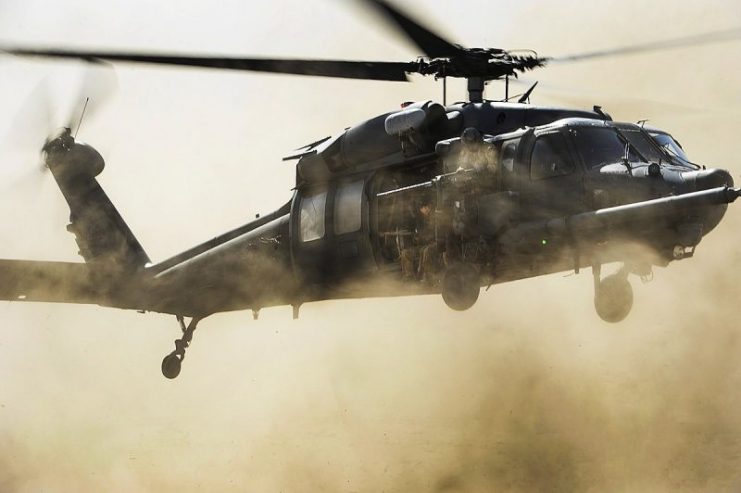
<point>527,391</point>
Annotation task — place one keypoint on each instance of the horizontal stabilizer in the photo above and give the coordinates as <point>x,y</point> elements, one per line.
<point>59,282</point>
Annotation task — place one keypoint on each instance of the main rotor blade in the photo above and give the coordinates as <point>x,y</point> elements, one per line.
<point>694,40</point>
<point>432,44</point>
<point>587,98</point>
<point>392,71</point>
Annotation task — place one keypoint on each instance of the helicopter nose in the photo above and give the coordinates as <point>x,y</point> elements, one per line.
<point>707,179</point>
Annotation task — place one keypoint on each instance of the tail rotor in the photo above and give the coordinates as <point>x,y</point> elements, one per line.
<point>54,105</point>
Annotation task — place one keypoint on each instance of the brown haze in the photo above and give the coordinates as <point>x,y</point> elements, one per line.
<point>527,391</point>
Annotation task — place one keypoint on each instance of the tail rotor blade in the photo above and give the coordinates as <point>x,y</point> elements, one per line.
<point>33,123</point>
<point>39,118</point>
<point>97,84</point>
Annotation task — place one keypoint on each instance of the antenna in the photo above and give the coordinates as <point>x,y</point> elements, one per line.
<point>79,124</point>
<point>525,98</point>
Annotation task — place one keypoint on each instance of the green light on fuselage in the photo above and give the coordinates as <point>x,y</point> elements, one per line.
<point>543,242</point>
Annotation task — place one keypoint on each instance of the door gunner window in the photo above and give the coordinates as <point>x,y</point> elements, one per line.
<point>550,157</point>
<point>348,208</point>
<point>311,221</point>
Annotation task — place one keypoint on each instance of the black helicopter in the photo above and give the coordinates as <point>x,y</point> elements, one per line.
<point>431,198</point>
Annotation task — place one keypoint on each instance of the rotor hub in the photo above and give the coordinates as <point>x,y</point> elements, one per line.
<point>489,64</point>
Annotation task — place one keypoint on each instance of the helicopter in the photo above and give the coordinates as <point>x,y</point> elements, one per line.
<point>428,199</point>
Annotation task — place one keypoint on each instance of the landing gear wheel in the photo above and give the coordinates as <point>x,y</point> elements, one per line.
<point>460,287</point>
<point>171,366</point>
<point>613,298</point>
<point>173,361</point>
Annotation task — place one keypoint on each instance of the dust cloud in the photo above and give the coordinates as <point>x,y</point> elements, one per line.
<point>527,391</point>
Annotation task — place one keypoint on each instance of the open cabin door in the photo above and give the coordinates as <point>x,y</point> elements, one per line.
<point>329,232</point>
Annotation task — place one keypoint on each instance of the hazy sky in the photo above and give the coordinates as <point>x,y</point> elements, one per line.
<point>402,395</point>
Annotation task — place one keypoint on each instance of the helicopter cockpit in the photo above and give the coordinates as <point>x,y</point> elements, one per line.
<point>599,145</point>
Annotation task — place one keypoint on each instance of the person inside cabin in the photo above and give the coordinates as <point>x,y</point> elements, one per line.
<point>419,260</point>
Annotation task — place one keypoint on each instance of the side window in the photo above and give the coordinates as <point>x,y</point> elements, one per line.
<point>508,155</point>
<point>348,207</point>
<point>311,221</point>
<point>599,146</point>
<point>550,157</point>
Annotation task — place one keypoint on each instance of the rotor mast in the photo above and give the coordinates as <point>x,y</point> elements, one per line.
<point>476,89</point>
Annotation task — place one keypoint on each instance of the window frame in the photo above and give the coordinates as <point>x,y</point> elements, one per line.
<point>320,225</point>
<point>349,193</point>
<point>569,160</point>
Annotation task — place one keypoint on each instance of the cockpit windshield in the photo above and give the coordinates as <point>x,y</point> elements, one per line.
<point>605,145</point>
<point>670,146</point>
<point>600,145</point>
<point>643,144</point>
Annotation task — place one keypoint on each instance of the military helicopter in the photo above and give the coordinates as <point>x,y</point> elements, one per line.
<point>428,199</point>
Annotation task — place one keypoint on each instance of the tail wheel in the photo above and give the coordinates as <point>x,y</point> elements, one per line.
<point>460,286</point>
<point>614,298</point>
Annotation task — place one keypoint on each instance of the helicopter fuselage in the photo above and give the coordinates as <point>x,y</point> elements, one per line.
<point>386,207</point>
<point>423,200</point>
<point>426,199</point>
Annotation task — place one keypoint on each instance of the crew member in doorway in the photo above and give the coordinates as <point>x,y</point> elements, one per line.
<point>421,259</point>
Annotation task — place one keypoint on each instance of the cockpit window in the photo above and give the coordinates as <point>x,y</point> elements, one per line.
<point>600,146</point>
<point>643,145</point>
<point>550,157</point>
<point>670,145</point>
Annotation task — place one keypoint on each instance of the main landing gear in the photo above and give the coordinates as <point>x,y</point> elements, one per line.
<point>172,362</point>
<point>613,295</point>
